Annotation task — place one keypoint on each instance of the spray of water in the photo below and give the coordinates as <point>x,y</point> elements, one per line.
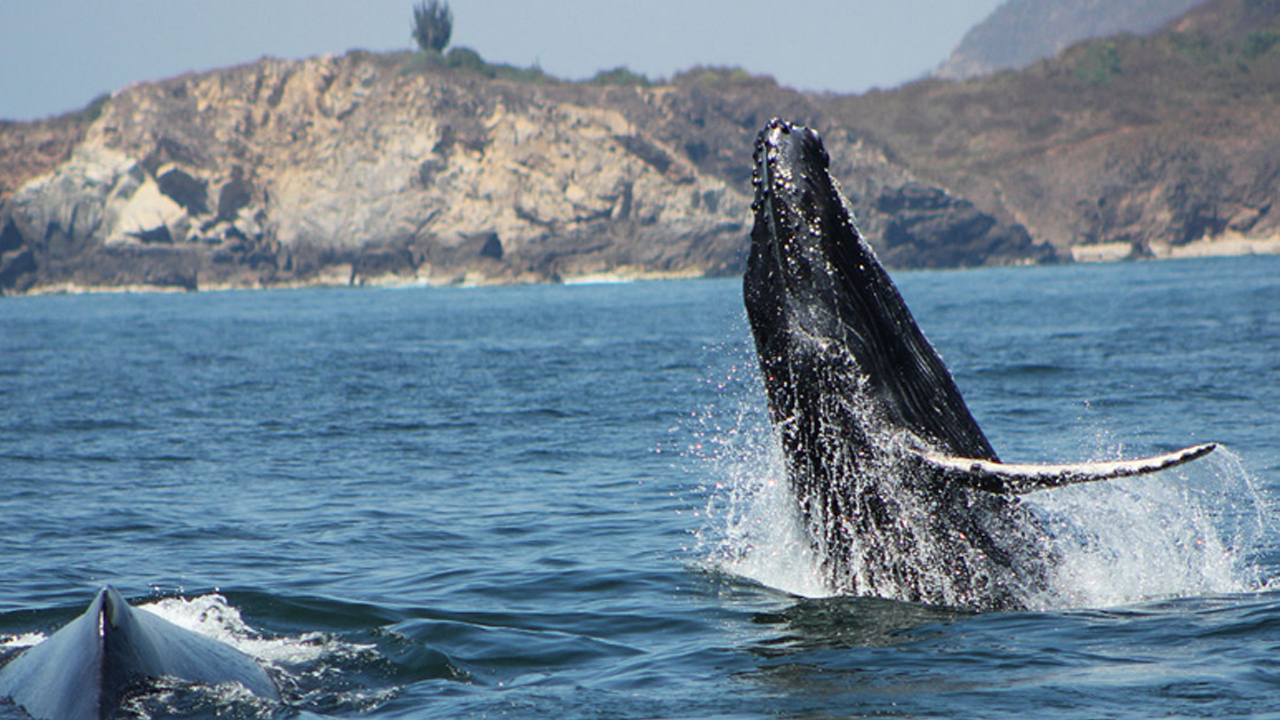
<point>753,528</point>
<point>1188,531</point>
<point>1184,532</point>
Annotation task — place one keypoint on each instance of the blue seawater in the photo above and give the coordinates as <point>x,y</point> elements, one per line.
<point>565,501</point>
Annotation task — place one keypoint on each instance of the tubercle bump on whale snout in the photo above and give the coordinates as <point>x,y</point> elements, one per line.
<point>802,147</point>
<point>766,141</point>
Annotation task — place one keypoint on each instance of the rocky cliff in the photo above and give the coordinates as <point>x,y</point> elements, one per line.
<point>367,168</point>
<point>384,168</point>
<point>353,169</point>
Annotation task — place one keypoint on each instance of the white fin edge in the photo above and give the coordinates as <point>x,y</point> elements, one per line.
<point>1020,478</point>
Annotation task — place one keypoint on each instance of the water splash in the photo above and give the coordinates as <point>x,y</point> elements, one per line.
<point>761,534</point>
<point>753,527</point>
<point>21,641</point>
<point>314,670</point>
<point>213,616</point>
<point>209,615</point>
<point>1189,531</point>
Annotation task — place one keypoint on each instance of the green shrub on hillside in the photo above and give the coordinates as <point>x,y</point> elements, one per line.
<point>467,61</point>
<point>714,76</point>
<point>93,110</point>
<point>620,75</point>
<point>464,58</point>
<point>1100,64</point>
<point>532,74</point>
<point>1258,43</point>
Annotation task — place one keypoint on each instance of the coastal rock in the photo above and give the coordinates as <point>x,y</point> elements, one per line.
<point>928,227</point>
<point>372,169</point>
<point>146,215</point>
<point>274,172</point>
<point>17,260</point>
<point>77,202</point>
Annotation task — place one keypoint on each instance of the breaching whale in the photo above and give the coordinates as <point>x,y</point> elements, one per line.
<point>85,669</point>
<point>901,493</point>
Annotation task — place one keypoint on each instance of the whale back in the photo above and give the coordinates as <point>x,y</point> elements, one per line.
<point>81,671</point>
<point>62,676</point>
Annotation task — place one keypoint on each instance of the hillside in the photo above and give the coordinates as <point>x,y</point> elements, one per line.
<point>1021,32</point>
<point>1128,146</point>
<point>373,169</point>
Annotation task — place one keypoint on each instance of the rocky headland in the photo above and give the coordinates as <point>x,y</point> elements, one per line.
<point>400,168</point>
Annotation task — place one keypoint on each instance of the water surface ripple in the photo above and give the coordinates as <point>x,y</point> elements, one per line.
<point>565,502</point>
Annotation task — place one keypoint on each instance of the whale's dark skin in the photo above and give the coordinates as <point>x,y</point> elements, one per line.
<point>901,492</point>
<point>84,670</point>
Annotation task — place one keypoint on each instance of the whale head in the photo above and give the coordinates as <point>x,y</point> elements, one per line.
<point>801,224</point>
<point>822,307</point>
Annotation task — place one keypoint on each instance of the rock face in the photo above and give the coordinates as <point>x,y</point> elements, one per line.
<point>375,168</point>
<point>1021,32</point>
<point>281,172</point>
<point>368,169</point>
<point>386,169</point>
<point>923,226</point>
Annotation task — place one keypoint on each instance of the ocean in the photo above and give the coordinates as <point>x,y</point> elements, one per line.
<point>566,502</point>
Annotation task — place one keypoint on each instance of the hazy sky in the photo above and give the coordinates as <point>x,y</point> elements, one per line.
<point>57,55</point>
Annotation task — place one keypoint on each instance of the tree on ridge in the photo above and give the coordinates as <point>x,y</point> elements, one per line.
<point>432,25</point>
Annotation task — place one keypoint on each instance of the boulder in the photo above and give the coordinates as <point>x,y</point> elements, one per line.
<point>147,215</point>
<point>929,227</point>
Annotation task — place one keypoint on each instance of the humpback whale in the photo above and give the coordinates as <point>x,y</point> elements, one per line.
<point>901,493</point>
<point>86,668</point>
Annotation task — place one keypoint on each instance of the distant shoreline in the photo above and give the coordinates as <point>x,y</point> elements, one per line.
<point>1227,245</point>
<point>1232,245</point>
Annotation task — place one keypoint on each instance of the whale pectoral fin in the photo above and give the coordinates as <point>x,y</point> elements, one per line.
<point>1019,478</point>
